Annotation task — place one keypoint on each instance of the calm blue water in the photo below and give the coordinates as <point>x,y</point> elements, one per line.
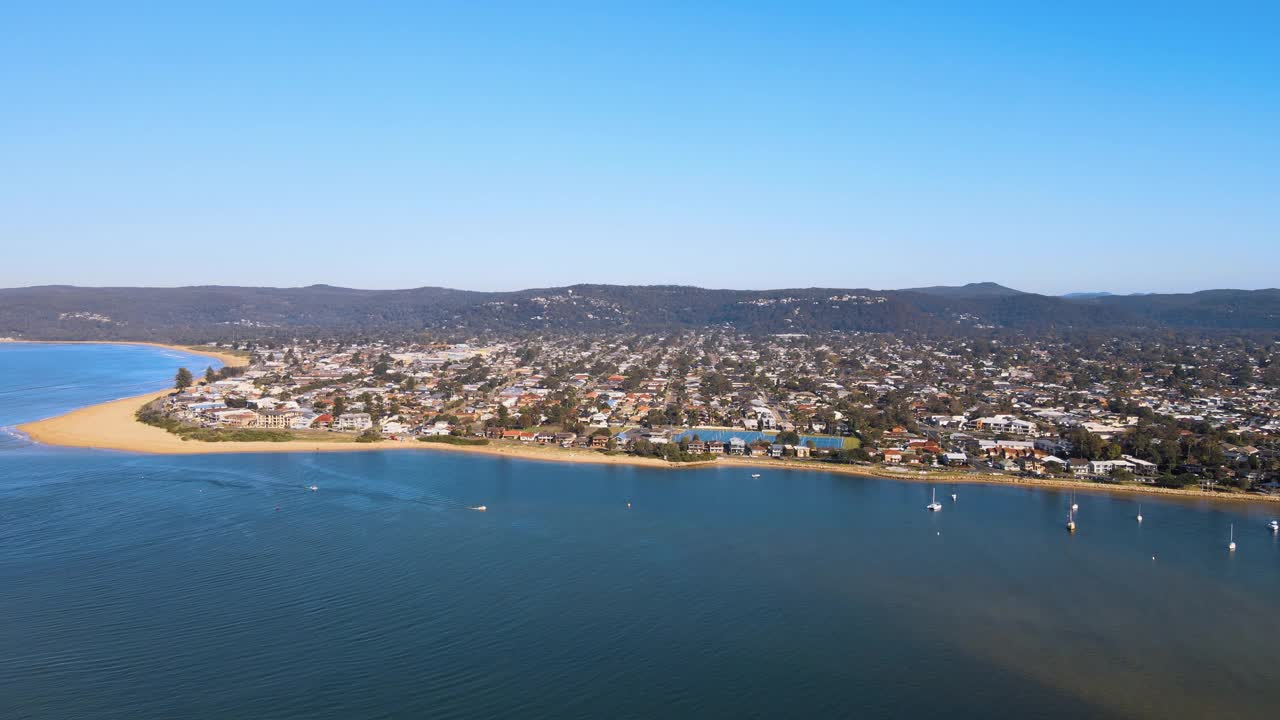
<point>39,381</point>
<point>171,587</point>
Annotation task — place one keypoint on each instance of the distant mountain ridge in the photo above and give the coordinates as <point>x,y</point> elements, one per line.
<point>199,313</point>
<point>970,290</point>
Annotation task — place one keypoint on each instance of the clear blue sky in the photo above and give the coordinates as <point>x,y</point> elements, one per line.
<point>723,144</point>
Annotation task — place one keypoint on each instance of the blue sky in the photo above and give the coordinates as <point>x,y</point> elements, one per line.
<point>722,144</point>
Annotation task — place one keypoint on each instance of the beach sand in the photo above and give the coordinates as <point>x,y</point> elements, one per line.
<point>113,426</point>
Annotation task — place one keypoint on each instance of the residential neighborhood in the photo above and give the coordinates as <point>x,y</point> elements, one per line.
<point>1131,411</point>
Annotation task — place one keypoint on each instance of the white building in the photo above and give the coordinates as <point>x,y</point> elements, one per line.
<point>354,421</point>
<point>1007,424</point>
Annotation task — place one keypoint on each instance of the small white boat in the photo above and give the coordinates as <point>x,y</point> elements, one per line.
<point>313,488</point>
<point>1139,513</point>
<point>1274,525</point>
<point>479,508</point>
<point>1232,545</point>
<point>953,497</point>
<point>1071,519</point>
<point>934,506</point>
<point>755,475</point>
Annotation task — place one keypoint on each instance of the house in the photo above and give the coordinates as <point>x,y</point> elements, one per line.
<point>715,447</point>
<point>565,439</point>
<point>697,447</point>
<point>600,441</point>
<point>801,451</point>
<point>737,446</point>
<point>776,450</point>
<point>892,457</point>
<point>356,422</point>
<point>237,418</point>
<point>436,429</point>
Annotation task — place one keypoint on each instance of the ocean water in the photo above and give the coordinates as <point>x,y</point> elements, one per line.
<point>220,587</point>
<point>39,380</point>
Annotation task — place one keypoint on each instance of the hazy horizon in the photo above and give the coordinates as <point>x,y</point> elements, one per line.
<point>759,145</point>
<point>640,284</point>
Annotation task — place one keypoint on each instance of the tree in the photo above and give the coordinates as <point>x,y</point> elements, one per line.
<point>210,375</point>
<point>182,380</point>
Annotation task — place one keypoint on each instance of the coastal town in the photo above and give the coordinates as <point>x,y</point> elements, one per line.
<point>1133,411</point>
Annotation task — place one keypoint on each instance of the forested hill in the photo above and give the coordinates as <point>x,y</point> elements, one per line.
<point>221,312</point>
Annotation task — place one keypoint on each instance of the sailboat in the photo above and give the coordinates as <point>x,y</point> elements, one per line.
<point>1274,525</point>
<point>1074,506</point>
<point>1232,546</point>
<point>1071,519</point>
<point>934,506</point>
<point>1139,513</point>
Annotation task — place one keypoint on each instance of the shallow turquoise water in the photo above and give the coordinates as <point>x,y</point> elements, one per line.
<point>159,587</point>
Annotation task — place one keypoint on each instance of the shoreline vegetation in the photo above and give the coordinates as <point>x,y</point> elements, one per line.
<point>119,425</point>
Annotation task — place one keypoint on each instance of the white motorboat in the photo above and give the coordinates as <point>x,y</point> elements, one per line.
<point>479,508</point>
<point>755,475</point>
<point>1232,545</point>
<point>313,488</point>
<point>1274,525</point>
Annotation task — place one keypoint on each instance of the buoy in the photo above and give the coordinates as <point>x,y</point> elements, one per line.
<point>628,506</point>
